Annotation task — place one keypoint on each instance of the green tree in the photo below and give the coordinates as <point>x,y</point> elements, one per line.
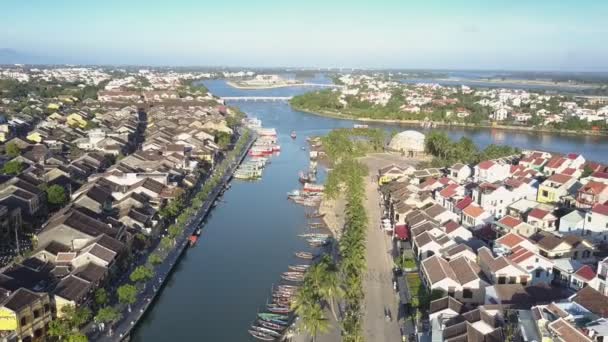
<point>12,150</point>
<point>108,315</point>
<point>313,320</point>
<point>101,296</point>
<point>155,259</point>
<point>77,337</point>
<point>59,329</point>
<point>12,167</point>
<point>329,287</point>
<point>141,274</point>
<point>56,195</point>
<point>127,294</point>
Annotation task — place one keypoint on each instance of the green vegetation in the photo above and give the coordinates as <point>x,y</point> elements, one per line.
<point>101,296</point>
<point>321,285</point>
<point>347,178</point>
<point>328,102</point>
<point>12,150</point>
<point>223,139</point>
<point>12,167</point>
<point>56,195</point>
<point>141,274</point>
<point>127,295</point>
<point>107,315</point>
<point>66,327</point>
<point>447,152</point>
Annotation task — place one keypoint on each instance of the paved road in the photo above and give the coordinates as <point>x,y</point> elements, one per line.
<point>378,283</point>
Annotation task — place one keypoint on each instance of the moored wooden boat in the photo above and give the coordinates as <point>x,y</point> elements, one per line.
<point>265,330</point>
<point>261,336</point>
<point>304,255</point>
<point>273,326</point>
<point>271,316</point>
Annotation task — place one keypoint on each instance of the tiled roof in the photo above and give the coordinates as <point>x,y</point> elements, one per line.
<point>586,272</point>
<point>510,240</point>
<point>510,221</point>
<point>473,210</point>
<point>485,165</point>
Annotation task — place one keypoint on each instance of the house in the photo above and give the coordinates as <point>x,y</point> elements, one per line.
<point>542,219</point>
<point>510,224</point>
<point>444,196</point>
<point>595,226</point>
<point>458,278</point>
<point>449,322</point>
<point>71,291</point>
<point>22,192</point>
<point>456,232</point>
<point>501,270</point>
<point>474,217</point>
<point>491,171</point>
<point>438,213</point>
<point>572,223</point>
<point>591,193</point>
<point>25,315</point>
<point>556,165</point>
<point>539,268</point>
<point>554,188</point>
<point>518,296</point>
<point>601,281</point>
<point>592,300</point>
<point>571,247</point>
<point>566,331</point>
<point>460,172</point>
<point>426,244</point>
<point>94,197</point>
<point>390,173</point>
<point>492,198</point>
<point>582,277</point>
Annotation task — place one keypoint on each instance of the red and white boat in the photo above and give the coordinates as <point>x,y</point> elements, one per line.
<point>276,148</point>
<point>267,132</point>
<point>309,187</point>
<point>260,151</point>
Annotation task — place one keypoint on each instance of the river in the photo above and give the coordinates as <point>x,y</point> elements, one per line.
<point>249,238</point>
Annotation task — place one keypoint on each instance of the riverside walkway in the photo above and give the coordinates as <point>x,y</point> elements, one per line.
<point>122,329</point>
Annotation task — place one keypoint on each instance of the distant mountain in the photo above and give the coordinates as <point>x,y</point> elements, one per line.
<point>12,56</point>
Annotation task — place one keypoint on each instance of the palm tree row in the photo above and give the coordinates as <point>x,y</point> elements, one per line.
<point>347,178</point>
<point>321,287</point>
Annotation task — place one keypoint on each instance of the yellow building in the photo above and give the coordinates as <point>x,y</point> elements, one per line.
<point>34,137</point>
<point>24,315</point>
<point>76,120</point>
<point>554,188</point>
<point>55,116</point>
<point>53,106</point>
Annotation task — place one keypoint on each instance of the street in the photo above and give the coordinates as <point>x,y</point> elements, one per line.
<point>378,282</point>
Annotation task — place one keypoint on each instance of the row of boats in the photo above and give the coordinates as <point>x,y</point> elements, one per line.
<point>260,152</point>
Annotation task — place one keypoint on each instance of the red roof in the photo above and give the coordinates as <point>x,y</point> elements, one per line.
<point>593,187</point>
<point>569,171</point>
<point>555,162</point>
<point>401,232</point>
<point>572,156</point>
<point>600,174</point>
<point>449,190</point>
<point>538,213</point>
<point>600,209</point>
<point>586,272</point>
<point>473,210</point>
<point>559,178</point>
<point>463,203</point>
<point>484,165</point>
<point>520,254</point>
<point>450,226</point>
<point>510,240</point>
<point>510,221</point>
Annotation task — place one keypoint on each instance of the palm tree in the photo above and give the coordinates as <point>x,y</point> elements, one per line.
<point>330,289</point>
<point>313,321</point>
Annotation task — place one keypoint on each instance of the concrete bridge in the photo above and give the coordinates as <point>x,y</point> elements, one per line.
<point>256,98</point>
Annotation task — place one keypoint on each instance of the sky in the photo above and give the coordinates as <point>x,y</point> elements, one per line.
<point>559,35</point>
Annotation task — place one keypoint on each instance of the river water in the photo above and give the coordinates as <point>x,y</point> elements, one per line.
<point>249,239</point>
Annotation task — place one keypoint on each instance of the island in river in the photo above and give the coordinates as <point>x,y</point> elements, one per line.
<point>264,82</point>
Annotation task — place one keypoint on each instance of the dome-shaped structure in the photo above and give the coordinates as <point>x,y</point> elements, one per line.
<point>408,141</point>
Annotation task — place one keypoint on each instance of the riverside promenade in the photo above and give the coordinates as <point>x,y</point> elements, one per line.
<point>129,319</point>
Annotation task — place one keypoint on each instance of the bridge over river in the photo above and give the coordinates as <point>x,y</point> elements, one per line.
<point>256,98</point>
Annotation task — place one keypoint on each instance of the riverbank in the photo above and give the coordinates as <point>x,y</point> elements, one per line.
<point>242,86</point>
<point>152,289</point>
<point>338,115</point>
